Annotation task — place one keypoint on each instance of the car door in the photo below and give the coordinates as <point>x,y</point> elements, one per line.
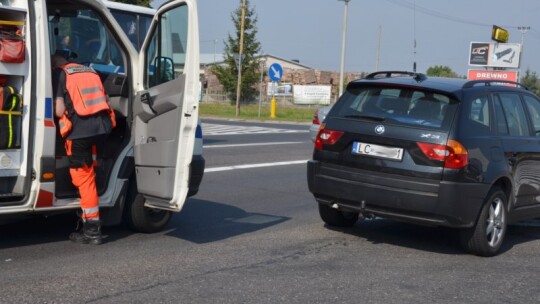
<point>166,106</point>
<point>532,105</point>
<point>521,148</point>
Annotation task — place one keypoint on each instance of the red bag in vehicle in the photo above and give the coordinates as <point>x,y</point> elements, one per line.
<point>12,50</point>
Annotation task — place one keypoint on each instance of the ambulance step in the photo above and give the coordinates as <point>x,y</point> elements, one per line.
<point>10,194</point>
<point>10,198</point>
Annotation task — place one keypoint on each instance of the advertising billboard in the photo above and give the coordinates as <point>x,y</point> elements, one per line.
<point>282,89</point>
<point>312,94</point>
<point>500,55</point>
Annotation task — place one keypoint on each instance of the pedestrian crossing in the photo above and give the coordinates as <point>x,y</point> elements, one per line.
<point>220,129</point>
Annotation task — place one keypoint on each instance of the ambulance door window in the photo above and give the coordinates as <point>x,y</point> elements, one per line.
<point>166,53</point>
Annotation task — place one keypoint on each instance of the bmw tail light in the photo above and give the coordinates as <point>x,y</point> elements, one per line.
<point>326,137</point>
<point>316,118</point>
<point>453,154</point>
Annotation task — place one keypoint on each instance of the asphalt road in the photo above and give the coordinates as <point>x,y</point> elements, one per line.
<point>253,235</point>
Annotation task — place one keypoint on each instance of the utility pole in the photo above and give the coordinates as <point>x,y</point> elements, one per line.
<point>343,40</point>
<point>523,30</point>
<point>215,42</point>
<point>240,49</point>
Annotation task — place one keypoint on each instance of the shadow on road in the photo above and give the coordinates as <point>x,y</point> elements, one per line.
<point>204,221</point>
<point>37,230</point>
<point>432,239</point>
<point>199,222</point>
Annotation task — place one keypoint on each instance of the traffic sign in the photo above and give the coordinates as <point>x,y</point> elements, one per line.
<point>275,72</point>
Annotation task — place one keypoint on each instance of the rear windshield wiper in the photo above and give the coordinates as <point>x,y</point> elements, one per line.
<point>368,117</point>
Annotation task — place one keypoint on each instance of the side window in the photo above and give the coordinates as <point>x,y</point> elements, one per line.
<point>515,114</point>
<point>533,107</point>
<point>166,53</point>
<point>128,22</point>
<point>480,111</point>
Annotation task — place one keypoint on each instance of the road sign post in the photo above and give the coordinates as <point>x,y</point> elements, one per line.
<point>275,72</point>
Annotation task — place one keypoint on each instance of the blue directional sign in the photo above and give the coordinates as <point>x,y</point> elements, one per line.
<point>275,72</point>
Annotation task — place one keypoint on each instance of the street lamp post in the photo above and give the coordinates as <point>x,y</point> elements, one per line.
<point>215,42</point>
<point>523,30</point>
<point>343,40</point>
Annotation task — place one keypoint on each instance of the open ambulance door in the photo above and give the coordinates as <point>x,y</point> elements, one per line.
<point>166,106</point>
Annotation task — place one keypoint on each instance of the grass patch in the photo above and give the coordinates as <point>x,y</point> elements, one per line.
<point>251,112</point>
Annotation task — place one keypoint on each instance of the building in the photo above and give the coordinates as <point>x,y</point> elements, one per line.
<point>293,73</point>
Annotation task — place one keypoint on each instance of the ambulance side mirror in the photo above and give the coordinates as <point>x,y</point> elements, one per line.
<point>164,70</point>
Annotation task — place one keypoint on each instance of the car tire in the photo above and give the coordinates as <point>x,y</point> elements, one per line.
<point>337,218</point>
<point>140,218</point>
<point>487,235</point>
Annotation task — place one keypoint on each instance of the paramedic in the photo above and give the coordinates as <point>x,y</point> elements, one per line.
<point>85,120</point>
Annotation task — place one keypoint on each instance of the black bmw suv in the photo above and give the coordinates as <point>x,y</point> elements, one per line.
<point>431,151</point>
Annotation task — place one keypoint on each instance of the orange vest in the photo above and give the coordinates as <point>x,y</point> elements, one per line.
<point>86,92</point>
<point>85,89</point>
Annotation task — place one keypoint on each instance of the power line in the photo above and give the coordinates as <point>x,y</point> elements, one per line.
<point>431,12</point>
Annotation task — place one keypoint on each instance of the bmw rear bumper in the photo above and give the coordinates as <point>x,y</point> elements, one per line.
<point>411,199</point>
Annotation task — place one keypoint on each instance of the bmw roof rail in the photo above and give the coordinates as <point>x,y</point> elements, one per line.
<point>489,82</point>
<point>417,76</point>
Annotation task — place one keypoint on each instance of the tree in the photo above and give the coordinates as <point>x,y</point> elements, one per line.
<point>145,3</point>
<point>228,74</point>
<point>530,79</point>
<point>441,71</point>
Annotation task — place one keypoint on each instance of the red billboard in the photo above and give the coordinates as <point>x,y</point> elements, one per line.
<point>492,75</point>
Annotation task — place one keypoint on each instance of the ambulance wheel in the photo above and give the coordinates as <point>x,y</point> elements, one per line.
<point>141,218</point>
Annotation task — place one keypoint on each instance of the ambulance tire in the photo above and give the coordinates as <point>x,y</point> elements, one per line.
<point>141,218</point>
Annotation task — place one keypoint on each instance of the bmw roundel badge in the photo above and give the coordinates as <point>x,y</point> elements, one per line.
<point>379,129</point>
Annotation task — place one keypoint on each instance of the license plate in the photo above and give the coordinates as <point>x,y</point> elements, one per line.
<point>377,151</point>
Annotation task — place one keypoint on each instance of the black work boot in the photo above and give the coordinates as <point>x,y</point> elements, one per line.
<point>90,233</point>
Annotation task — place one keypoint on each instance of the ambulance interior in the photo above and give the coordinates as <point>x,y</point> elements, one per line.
<point>81,36</point>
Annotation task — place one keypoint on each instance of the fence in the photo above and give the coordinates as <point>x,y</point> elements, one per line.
<point>219,96</point>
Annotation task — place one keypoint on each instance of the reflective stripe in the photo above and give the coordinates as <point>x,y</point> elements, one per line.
<point>10,124</point>
<point>11,112</point>
<point>10,119</point>
<point>78,69</point>
<point>94,101</point>
<point>91,90</point>
<point>90,210</point>
<point>94,156</point>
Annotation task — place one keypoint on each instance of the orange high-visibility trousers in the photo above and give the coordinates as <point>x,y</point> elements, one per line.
<point>84,179</point>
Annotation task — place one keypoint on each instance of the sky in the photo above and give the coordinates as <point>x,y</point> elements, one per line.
<point>311,31</point>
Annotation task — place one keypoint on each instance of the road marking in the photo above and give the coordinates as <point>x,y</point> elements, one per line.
<point>256,144</point>
<point>251,166</point>
<point>218,129</point>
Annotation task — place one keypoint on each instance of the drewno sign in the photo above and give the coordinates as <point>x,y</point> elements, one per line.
<point>492,75</point>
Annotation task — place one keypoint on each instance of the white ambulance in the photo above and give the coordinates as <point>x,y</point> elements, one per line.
<point>143,170</point>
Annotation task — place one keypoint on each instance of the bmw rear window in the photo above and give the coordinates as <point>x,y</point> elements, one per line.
<point>393,105</point>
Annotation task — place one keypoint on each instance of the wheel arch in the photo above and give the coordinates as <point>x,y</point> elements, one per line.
<point>505,185</point>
